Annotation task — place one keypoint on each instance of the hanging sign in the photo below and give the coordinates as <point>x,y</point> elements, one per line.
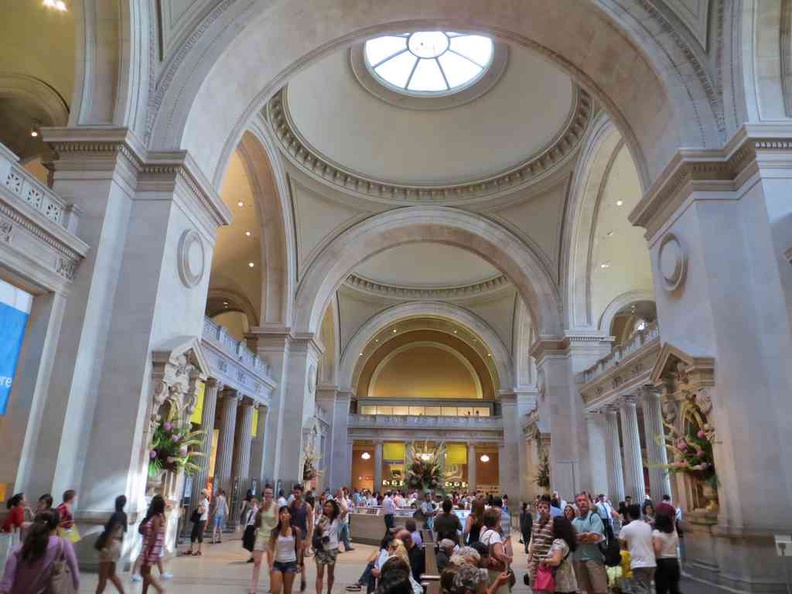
<point>12,332</point>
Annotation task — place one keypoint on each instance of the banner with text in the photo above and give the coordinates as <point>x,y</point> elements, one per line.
<point>12,332</point>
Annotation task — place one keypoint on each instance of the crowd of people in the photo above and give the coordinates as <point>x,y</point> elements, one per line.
<point>585,545</point>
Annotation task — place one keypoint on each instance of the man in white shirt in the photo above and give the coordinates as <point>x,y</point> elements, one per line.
<point>637,536</point>
<point>388,511</point>
<point>428,509</point>
<point>282,502</point>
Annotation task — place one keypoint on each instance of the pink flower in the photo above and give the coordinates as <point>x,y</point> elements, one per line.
<point>699,452</point>
<point>176,438</point>
<point>167,426</point>
<point>153,454</point>
<point>703,466</point>
<point>183,451</point>
<point>701,434</point>
<point>682,445</point>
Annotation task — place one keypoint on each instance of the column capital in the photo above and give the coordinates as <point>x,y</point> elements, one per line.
<point>628,399</point>
<point>213,382</point>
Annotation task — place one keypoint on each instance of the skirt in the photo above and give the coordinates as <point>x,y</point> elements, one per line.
<point>249,538</point>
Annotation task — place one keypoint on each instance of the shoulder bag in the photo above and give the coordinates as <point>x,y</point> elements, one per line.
<point>61,581</point>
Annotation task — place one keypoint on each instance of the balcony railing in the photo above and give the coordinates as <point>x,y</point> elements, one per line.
<point>25,188</point>
<point>424,422</point>
<point>220,336</point>
<point>636,342</point>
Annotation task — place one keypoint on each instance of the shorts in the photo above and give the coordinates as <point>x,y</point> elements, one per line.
<point>326,556</point>
<point>285,566</point>
<point>197,531</point>
<point>219,522</point>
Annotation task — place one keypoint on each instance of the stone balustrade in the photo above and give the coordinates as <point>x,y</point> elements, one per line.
<point>235,365</point>
<point>19,185</point>
<point>637,341</point>
<point>425,422</point>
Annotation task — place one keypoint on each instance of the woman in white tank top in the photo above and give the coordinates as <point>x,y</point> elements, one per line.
<point>286,553</point>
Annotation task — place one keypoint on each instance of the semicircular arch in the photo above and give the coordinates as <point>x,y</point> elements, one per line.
<point>426,224</point>
<point>426,309</point>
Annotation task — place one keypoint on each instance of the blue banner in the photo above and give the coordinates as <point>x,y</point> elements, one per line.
<point>12,333</point>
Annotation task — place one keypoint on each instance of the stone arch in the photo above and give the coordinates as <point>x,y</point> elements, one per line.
<point>424,309</point>
<point>271,190</point>
<point>237,302</point>
<point>591,172</point>
<point>428,224</point>
<point>38,92</point>
<point>623,300</point>
<point>602,44</point>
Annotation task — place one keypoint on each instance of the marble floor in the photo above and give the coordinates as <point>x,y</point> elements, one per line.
<point>223,568</point>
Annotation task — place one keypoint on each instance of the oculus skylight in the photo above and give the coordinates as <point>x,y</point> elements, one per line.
<point>428,62</point>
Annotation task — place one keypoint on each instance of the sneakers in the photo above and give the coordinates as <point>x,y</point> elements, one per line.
<point>167,575</point>
<point>135,578</point>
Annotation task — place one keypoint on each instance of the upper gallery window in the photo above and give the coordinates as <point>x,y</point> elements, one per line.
<point>428,62</point>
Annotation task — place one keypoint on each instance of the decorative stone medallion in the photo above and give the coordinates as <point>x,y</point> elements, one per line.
<point>671,262</point>
<point>191,258</point>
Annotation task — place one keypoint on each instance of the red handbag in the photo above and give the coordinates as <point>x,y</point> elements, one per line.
<point>545,579</point>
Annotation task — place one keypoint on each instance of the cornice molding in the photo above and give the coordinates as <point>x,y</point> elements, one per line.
<point>719,170</point>
<point>535,168</point>
<point>386,290</point>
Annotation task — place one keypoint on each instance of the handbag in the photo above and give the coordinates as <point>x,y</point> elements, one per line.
<point>70,534</point>
<point>545,579</point>
<point>195,516</point>
<point>60,577</point>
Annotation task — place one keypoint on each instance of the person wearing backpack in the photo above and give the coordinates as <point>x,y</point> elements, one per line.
<point>43,562</point>
<point>587,560</point>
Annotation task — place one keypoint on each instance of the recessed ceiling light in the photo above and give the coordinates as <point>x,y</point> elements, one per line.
<point>605,265</point>
<point>361,354</point>
<point>619,202</point>
<point>248,233</point>
<point>455,331</point>
<point>251,264</point>
<point>610,233</point>
<point>489,354</point>
<point>394,330</point>
<point>225,302</point>
<point>376,340</point>
<point>240,203</point>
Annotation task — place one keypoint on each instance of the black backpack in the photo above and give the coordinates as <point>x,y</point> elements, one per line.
<point>609,547</point>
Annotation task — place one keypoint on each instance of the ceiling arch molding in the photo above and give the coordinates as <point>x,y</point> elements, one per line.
<point>424,224</point>
<point>588,182</point>
<point>278,252</point>
<point>601,43</point>
<point>425,309</point>
<point>237,302</point>
<point>436,345</point>
<point>623,300</point>
<point>37,92</point>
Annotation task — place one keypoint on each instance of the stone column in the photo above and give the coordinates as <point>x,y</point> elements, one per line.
<point>633,465</point>
<point>336,403</point>
<point>207,424</point>
<point>378,466</point>
<point>258,450</point>
<point>659,480</point>
<point>613,457</point>
<point>471,456</point>
<point>225,443</point>
<point>509,453</point>
<point>597,453</point>
<point>243,439</point>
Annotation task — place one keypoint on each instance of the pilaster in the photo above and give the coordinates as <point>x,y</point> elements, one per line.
<point>243,439</point>
<point>471,461</point>
<point>656,456</point>
<point>597,453</point>
<point>613,457</point>
<point>633,464</point>
<point>378,466</point>
<point>225,442</point>
<point>208,413</point>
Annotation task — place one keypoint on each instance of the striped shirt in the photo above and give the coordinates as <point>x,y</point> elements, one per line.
<point>541,541</point>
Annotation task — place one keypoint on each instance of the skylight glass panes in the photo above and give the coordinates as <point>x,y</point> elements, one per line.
<point>429,62</point>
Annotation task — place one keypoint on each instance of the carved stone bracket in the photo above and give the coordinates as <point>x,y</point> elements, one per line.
<point>176,370</point>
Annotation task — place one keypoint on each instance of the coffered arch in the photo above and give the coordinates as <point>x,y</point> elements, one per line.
<point>444,225</point>
<point>426,309</point>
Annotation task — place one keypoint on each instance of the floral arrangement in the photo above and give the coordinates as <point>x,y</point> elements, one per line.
<point>692,449</point>
<point>173,446</point>
<point>543,471</point>
<point>309,468</point>
<point>425,471</point>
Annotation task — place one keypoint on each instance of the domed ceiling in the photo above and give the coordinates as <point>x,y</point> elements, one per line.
<point>522,114</point>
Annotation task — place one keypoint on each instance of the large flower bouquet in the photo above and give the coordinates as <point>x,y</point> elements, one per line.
<point>425,471</point>
<point>173,446</point>
<point>543,471</point>
<point>692,451</point>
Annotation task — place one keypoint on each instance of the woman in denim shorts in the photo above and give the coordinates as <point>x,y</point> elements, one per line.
<point>286,553</point>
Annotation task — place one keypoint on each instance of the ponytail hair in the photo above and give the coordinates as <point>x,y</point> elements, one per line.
<point>38,534</point>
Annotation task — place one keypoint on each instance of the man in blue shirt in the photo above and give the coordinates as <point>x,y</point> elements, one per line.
<point>588,562</point>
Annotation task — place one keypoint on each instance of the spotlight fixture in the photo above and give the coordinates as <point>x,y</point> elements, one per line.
<point>376,340</point>
<point>251,264</point>
<point>365,455</point>
<point>240,203</point>
<point>484,458</point>
<point>59,5</point>
<point>361,354</point>
<point>619,202</point>
<point>394,330</point>
<point>248,233</point>
<point>489,354</point>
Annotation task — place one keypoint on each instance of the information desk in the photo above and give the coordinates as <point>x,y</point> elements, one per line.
<point>367,524</point>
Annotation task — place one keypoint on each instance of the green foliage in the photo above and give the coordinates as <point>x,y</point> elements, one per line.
<point>173,446</point>
<point>543,471</point>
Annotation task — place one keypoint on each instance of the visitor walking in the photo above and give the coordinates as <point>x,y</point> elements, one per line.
<point>302,517</point>
<point>16,514</point>
<point>249,534</point>
<point>199,518</point>
<point>109,545</point>
<point>343,527</point>
<point>557,561</point>
<point>153,528</point>
<point>590,571</point>
<point>219,516</point>
<point>637,536</point>
<point>526,524</point>
<point>67,529</point>
<point>39,558</point>
<point>389,511</point>
<point>541,537</point>
<point>266,520</point>
<point>666,544</point>
<point>326,544</point>
<point>286,552</point>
